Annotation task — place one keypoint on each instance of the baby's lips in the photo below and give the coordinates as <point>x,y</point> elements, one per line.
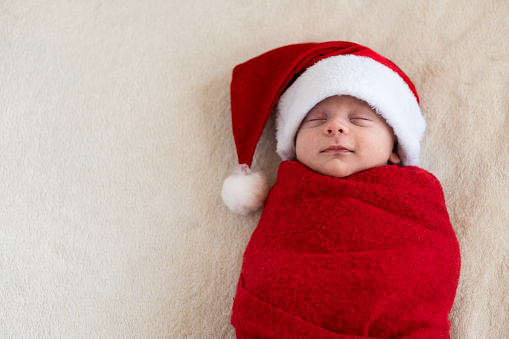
<point>337,148</point>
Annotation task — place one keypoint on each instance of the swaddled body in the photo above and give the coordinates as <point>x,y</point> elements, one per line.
<point>372,255</point>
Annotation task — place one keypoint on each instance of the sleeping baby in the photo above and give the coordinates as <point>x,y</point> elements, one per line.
<point>354,240</point>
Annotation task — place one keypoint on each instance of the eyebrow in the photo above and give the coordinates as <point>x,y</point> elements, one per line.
<point>314,112</point>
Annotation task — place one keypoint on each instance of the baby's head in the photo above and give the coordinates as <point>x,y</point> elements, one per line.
<point>317,92</point>
<point>343,135</point>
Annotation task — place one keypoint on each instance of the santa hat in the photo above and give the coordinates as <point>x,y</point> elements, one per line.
<point>296,78</point>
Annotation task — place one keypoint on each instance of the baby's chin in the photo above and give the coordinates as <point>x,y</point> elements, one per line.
<point>339,173</point>
<point>340,170</point>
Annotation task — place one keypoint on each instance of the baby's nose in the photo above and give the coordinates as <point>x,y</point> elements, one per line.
<point>335,126</point>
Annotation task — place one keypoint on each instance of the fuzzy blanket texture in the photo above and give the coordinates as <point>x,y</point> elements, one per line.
<point>115,136</point>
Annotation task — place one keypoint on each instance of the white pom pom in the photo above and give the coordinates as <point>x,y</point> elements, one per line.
<point>245,191</point>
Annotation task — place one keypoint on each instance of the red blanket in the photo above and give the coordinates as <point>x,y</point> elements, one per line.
<point>372,255</point>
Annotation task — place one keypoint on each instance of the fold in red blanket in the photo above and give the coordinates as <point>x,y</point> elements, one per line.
<point>372,255</point>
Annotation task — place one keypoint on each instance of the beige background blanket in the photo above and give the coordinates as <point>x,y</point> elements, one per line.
<point>115,137</point>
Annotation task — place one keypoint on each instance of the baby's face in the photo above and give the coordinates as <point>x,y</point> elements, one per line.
<point>343,135</point>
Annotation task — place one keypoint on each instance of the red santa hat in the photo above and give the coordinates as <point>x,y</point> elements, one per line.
<point>297,77</point>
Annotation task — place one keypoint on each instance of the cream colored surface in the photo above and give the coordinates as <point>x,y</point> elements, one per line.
<point>115,139</point>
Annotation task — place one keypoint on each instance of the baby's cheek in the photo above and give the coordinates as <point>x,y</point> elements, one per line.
<point>299,143</point>
<point>303,151</point>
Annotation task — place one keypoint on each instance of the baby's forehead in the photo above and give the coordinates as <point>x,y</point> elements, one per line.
<point>344,101</point>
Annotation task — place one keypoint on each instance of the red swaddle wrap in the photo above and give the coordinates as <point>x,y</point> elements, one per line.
<point>372,255</point>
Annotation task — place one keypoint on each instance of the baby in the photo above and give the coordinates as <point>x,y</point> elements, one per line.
<point>354,240</point>
<point>343,135</point>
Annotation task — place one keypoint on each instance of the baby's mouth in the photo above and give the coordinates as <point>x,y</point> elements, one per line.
<point>337,149</point>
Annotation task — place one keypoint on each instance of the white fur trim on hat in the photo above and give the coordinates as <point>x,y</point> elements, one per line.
<point>360,77</point>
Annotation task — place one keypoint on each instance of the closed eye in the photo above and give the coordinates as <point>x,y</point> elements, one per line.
<point>360,121</point>
<point>315,122</point>
<point>316,117</point>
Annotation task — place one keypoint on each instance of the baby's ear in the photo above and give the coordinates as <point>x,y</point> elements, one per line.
<point>394,157</point>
